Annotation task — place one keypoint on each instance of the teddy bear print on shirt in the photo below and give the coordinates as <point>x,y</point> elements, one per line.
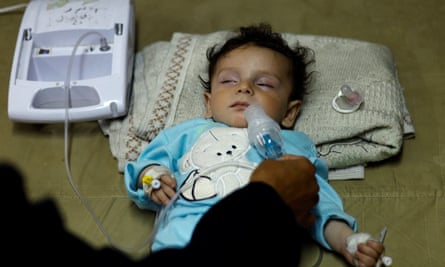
<point>217,164</point>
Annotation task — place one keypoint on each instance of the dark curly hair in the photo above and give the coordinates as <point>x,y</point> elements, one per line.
<point>262,35</point>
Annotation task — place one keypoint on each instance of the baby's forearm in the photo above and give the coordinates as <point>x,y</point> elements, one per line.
<point>336,233</point>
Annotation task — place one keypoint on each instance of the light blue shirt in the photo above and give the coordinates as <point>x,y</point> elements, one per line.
<point>209,160</point>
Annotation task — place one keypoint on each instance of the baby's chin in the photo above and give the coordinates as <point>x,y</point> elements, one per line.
<point>237,123</point>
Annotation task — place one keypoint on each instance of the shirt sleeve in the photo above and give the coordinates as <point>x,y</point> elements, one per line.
<point>165,150</point>
<point>329,207</point>
<point>157,152</point>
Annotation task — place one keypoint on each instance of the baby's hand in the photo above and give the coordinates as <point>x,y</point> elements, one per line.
<point>363,251</point>
<point>158,183</point>
<point>165,192</point>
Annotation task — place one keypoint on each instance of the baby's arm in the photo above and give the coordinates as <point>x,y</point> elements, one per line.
<point>368,254</point>
<point>167,188</point>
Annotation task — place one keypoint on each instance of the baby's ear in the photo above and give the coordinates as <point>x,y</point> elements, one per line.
<point>293,109</point>
<point>207,97</point>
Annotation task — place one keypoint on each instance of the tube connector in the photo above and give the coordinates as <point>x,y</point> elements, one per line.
<point>104,46</point>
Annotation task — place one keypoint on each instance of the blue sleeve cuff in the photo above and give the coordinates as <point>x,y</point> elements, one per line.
<point>137,195</point>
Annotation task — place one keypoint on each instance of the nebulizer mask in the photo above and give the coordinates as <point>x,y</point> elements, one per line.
<point>263,132</point>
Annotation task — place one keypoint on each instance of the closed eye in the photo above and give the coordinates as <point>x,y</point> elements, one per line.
<point>265,85</point>
<point>228,82</point>
<point>228,77</point>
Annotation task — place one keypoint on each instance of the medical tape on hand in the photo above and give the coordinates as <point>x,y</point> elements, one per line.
<point>151,179</point>
<point>352,241</point>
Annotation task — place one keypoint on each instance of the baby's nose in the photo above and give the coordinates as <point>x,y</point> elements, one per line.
<point>245,87</point>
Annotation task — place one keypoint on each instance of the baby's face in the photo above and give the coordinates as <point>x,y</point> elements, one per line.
<point>249,74</point>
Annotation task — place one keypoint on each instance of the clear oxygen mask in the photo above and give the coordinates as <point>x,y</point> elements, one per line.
<point>263,132</point>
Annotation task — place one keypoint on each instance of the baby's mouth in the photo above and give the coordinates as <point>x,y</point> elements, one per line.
<point>240,105</point>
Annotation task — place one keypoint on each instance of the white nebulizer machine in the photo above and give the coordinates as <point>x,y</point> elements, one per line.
<point>73,54</point>
<point>263,132</point>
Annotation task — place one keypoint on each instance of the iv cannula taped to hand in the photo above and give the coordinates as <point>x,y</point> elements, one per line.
<point>263,132</point>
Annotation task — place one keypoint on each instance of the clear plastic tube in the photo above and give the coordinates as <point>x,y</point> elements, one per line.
<point>71,180</point>
<point>161,215</point>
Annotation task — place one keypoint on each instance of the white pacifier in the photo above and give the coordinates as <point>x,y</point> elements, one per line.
<point>347,100</point>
